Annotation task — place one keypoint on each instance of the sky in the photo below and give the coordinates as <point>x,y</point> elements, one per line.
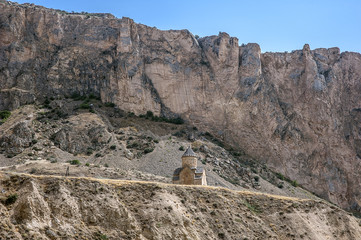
<point>276,25</point>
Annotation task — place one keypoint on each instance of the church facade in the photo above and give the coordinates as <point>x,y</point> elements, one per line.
<point>189,173</point>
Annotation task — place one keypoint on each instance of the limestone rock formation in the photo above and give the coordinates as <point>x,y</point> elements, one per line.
<point>298,112</point>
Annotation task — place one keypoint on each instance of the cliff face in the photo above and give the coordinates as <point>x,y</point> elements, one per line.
<point>298,112</point>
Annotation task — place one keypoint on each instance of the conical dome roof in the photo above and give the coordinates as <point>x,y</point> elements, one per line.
<point>189,153</point>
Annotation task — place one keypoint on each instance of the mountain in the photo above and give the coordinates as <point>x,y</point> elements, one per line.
<point>299,113</point>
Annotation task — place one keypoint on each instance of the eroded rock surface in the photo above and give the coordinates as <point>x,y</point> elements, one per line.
<point>298,112</point>
<point>55,207</point>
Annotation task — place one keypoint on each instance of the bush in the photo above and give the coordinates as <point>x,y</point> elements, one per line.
<point>181,148</point>
<point>5,114</point>
<point>256,178</point>
<point>89,151</point>
<point>113,147</point>
<point>294,183</point>
<point>77,96</point>
<point>133,145</point>
<point>84,106</point>
<point>87,164</point>
<point>177,120</point>
<point>11,199</point>
<point>109,104</point>
<point>74,162</point>
<point>280,176</point>
<point>148,150</point>
<point>149,114</point>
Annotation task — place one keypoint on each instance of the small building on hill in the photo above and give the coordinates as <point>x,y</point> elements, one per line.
<point>189,173</point>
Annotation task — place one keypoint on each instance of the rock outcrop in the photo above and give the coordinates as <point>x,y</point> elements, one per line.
<point>298,112</point>
<point>54,207</point>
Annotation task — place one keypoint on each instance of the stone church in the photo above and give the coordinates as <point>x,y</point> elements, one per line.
<point>189,173</point>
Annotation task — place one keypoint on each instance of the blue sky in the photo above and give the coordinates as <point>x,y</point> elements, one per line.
<point>277,25</point>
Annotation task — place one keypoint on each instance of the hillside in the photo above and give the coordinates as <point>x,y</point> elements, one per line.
<point>298,113</point>
<point>105,142</point>
<point>85,208</point>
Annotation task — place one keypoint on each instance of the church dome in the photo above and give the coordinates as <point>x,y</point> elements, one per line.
<point>189,153</point>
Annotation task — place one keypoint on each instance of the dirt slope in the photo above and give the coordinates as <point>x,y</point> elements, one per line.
<point>85,208</point>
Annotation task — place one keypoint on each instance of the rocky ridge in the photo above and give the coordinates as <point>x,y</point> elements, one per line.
<point>297,112</point>
<point>43,207</point>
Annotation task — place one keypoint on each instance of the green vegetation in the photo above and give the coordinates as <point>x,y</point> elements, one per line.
<point>148,150</point>
<point>84,106</point>
<point>150,115</point>
<point>280,176</point>
<point>5,114</point>
<point>294,183</point>
<point>133,145</point>
<point>283,178</point>
<point>74,162</point>
<point>11,199</point>
<point>253,208</point>
<point>89,151</point>
<point>181,148</point>
<point>87,164</point>
<point>102,236</point>
<point>113,147</point>
<point>109,104</point>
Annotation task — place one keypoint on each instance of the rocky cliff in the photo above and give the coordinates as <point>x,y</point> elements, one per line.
<point>297,112</point>
<point>82,208</point>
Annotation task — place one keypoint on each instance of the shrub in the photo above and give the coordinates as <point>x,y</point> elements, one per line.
<point>5,114</point>
<point>149,114</point>
<point>294,183</point>
<point>280,176</point>
<point>74,162</point>
<point>77,96</point>
<point>106,165</point>
<point>11,199</point>
<point>256,178</point>
<point>109,104</point>
<point>84,106</point>
<point>181,148</point>
<point>221,235</point>
<point>102,236</point>
<point>92,96</point>
<point>89,152</point>
<point>113,147</point>
<point>133,145</point>
<point>148,150</point>
<point>178,134</point>
<point>87,164</point>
